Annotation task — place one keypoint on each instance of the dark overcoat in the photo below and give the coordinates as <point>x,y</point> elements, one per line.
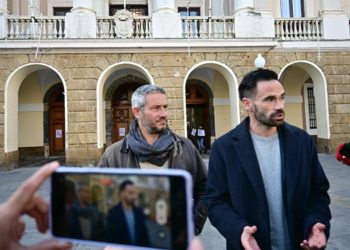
<point>235,189</point>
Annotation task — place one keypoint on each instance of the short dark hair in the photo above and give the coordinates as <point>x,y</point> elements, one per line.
<point>247,87</point>
<point>124,185</point>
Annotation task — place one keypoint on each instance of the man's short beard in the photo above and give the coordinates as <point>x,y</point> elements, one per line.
<point>153,130</point>
<point>267,121</point>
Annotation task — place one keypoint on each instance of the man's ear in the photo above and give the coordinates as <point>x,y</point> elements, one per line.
<point>247,103</point>
<point>136,112</point>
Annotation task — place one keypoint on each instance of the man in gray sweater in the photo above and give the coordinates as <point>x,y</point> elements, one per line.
<point>266,186</point>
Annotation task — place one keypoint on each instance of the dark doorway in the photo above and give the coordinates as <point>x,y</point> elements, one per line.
<point>122,115</point>
<point>197,107</point>
<point>56,123</point>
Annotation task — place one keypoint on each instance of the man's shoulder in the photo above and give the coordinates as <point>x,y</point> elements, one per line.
<point>181,138</point>
<point>115,146</point>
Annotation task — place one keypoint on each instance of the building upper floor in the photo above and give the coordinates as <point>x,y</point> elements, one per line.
<point>103,8</point>
<point>275,20</point>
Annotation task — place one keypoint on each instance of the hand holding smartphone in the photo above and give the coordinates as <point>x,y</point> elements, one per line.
<point>129,208</point>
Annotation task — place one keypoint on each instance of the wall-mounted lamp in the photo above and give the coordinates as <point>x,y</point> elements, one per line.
<point>259,62</point>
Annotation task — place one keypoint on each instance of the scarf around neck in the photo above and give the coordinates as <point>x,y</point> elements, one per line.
<point>157,153</point>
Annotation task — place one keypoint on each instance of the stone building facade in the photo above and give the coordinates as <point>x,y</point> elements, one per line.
<point>71,97</point>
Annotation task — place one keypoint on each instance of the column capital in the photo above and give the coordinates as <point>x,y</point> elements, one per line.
<point>243,7</point>
<point>80,9</point>
<point>163,6</point>
<point>83,6</point>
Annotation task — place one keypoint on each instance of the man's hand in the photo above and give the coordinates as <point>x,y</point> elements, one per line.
<point>26,201</point>
<point>247,239</point>
<point>317,238</point>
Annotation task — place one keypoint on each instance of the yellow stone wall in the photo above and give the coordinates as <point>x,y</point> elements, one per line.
<point>82,69</point>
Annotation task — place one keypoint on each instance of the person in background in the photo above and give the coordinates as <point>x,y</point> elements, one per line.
<point>84,219</point>
<point>266,187</point>
<point>151,144</point>
<point>200,140</point>
<point>25,200</point>
<point>343,153</point>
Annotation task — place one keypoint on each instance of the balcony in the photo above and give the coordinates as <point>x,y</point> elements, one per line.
<point>215,27</point>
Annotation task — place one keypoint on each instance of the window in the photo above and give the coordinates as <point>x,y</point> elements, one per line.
<point>189,11</point>
<point>292,8</point>
<point>195,25</point>
<point>310,109</point>
<point>136,10</point>
<point>61,11</point>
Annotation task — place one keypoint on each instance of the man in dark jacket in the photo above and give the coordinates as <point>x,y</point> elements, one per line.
<point>151,144</point>
<point>125,222</point>
<point>266,188</point>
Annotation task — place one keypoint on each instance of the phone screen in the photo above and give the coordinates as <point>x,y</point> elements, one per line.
<point>124,209</point>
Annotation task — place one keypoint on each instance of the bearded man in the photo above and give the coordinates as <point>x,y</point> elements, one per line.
<point>266,187</point>
<point>151,144</point>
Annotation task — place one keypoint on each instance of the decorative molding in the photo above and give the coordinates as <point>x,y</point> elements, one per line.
<point>123,23</point>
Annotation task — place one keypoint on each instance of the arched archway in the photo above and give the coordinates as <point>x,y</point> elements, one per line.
<point>109,76</point>
<point>223,85</point>
<point>199,111</point>
<point>301,76</point>
<point>24,105</point>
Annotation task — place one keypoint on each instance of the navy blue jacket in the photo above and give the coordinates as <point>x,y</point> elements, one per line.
<point>117,228</point>
<point>235,190</point>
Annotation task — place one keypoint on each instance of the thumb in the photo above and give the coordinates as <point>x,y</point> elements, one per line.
<point>251,230</point>
<point>319,226</point>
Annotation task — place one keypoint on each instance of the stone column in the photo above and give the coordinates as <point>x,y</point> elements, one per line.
<point>34,8</point>
<point>243,5</point>
<point>3,24</point>
<point>252,21</point>
<point>101,7</point>
<point>81,21</point>
<point>163,6</point>
<point>3,6</point>
<point>166,22</point>
<point>335,22</point>
<point>217,8</point>
<point>83,6</point>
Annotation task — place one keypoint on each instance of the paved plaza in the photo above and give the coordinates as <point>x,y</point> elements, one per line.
<point>338,174</point>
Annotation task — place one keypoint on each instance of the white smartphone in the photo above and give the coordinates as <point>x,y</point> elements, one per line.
<point>128,208</point>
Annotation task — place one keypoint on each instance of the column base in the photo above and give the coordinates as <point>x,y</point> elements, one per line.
<point>335,27</point>
<point>80,25</point>
<point>254,25</point>
<point>166,25</point>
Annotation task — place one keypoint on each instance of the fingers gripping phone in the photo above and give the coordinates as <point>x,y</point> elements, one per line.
<point>132,208</point>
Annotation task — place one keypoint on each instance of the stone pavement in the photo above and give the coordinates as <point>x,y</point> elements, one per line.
<point>338,174</point>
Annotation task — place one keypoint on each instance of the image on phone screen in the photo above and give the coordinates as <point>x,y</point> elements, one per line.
<point>122,209</point>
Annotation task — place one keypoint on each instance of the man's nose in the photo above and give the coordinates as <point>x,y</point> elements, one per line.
<point>279,104</point>
<point>163,112</point>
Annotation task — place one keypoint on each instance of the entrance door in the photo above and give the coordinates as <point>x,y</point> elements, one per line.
<point>197,107</point>
<point>56,120</point>
<point>122,115</point>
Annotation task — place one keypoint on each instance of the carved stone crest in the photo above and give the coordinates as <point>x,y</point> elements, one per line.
<point>123,23</point>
